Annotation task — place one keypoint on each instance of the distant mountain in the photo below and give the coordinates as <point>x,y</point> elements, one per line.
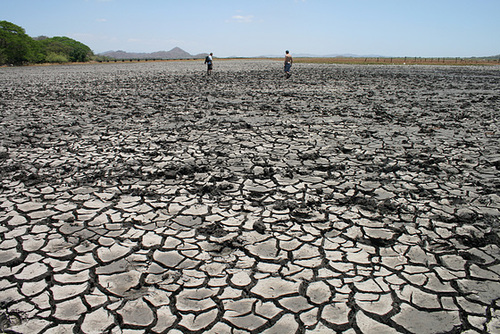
<point>308,55</point>
<point>175,53</point>
<point>493,57</point>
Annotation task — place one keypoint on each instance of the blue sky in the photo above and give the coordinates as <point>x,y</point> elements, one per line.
<point>417,28</point>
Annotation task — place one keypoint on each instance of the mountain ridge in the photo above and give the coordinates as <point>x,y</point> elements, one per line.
<point>308,55</point>
<point>178,53</point>
<point>175,53</point>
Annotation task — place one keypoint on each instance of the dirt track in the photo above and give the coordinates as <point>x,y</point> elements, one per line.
<point>140,198</point>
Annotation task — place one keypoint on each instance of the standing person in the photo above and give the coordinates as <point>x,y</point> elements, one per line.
<point>288,64</point>
<point>208,61</point>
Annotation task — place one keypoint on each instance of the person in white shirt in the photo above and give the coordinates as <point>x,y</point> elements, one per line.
<point>209,61</point>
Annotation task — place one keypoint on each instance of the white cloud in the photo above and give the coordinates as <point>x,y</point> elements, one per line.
<point>241,18</point>
<point>101,20</point>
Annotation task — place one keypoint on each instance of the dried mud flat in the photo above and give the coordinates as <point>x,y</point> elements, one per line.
<point>146,198</point>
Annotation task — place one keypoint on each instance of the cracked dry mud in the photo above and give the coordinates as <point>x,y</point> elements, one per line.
<point>146,198</point>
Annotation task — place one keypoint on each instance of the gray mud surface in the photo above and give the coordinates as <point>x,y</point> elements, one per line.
<point>146,198</point>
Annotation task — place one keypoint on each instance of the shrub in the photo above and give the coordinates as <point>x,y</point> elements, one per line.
<point>56,58</point>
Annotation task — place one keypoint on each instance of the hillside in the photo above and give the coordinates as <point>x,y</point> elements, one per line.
<point>175,53</point>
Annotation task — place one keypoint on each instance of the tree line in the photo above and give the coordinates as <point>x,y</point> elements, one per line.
<point>17,48</point>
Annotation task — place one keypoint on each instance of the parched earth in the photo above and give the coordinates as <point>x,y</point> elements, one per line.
<point>146,198</point>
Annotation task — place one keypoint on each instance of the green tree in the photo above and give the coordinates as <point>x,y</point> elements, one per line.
<point>15,46</point>
<point>18,48</point>
<point>39,53</point>
<point>51,46</point>
<point>74,50</point>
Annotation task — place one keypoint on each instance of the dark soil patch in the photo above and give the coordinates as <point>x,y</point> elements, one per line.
<point>214,230</point>
<point>490,238</point>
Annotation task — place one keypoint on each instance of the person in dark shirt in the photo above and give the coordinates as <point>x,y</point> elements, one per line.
<point>288,63</point>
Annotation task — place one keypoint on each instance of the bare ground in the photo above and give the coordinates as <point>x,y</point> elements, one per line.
<point>149,197</point>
